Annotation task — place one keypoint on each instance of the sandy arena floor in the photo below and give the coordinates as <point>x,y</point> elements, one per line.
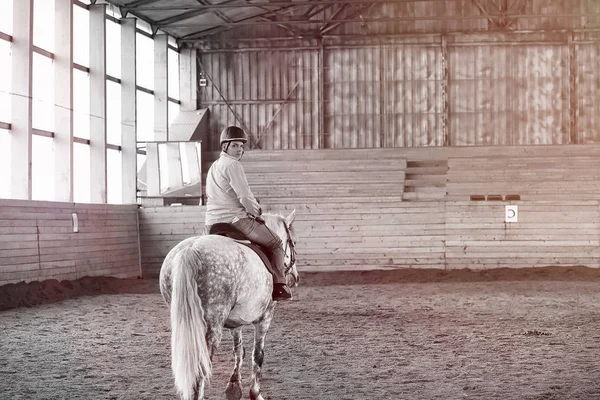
<point>504,334</point>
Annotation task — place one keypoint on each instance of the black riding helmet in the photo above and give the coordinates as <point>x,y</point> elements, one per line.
<point>232,133</point>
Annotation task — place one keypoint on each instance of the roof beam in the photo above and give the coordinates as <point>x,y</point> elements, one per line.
<point>139,3</point>
<point>357,12</point>
<point>194,13</point>
<point>216,30</point>
<point>252,20</point>
<point>262,4</point>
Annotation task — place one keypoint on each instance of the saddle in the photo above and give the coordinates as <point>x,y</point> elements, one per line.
<point>230,231</point>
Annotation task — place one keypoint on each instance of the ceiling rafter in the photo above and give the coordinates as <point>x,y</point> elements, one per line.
<point>358,12</point>
<point>195,13</point>
<point>397,19</point>
<point>274,3</point>
<point>220,29</point>
<point>340,10</point>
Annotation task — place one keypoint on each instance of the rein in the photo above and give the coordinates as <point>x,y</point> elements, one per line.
<point>289,244</point>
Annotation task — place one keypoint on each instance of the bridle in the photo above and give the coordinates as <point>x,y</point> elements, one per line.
<point>289,244</point>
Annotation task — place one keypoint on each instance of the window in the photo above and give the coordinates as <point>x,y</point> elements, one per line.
<point>42,166</point>
<point>5,159</point>
<point>43,93</point>
<point>43,24</point>
<point>144,53</point>
<point>113,112</point>
<point>5,81</point>
<point>173,112</point>
<point>81,173</point>
<point>145,117</point>
<point>6,16</point>
<point>143,26</point>
<point>81,104</point>
<point>81,36</point>
<point>113,49</point>
<point>114,177</point>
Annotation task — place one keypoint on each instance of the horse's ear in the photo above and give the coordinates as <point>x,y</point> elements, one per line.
<point>290,218</point>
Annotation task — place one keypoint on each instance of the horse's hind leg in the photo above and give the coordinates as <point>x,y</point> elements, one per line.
<point>234,387</point>
<point>258,354</point>
<point>199,389</point>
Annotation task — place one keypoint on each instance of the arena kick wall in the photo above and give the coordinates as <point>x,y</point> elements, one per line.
<point>412,208</point>
<point>37,241</point>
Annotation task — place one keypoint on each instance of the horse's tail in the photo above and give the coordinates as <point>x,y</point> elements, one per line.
<point>190,358</point>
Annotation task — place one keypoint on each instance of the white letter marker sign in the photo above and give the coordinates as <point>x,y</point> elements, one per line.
<point>511,213</point>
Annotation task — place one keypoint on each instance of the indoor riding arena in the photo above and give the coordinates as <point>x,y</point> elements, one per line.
<point>442,158</point>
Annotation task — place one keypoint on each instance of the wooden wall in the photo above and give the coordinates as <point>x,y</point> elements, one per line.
<point>161,228</point>
<point>547,233</point>
<point>559,214</point>
<point>37,241</point>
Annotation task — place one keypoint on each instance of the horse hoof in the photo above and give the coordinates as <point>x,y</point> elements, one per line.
<point>257,396</point>
<point>233,391</point>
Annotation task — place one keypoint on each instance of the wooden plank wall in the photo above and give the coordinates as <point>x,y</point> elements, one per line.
<point>161,228</point>
<point>372,227</point>
<point>532,177</point>
<point>547,233</point>
<point>37,241</point>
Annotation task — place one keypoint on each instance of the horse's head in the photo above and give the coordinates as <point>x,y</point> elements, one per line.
<point>282,227</point>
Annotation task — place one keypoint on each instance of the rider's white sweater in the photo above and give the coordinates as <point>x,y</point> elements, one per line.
<point>227,192</point>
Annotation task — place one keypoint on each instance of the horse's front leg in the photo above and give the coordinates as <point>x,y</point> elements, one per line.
<point>260,331</point>
<point>234,387</point>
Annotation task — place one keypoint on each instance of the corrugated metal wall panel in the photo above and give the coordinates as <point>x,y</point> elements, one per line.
<point>385,96</point>
<point>273,94</point>
<point>504,89</point>
<point>509,95</point>
<point>588,92</point>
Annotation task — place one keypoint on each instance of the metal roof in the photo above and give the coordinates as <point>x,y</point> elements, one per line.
<point>191,21</point>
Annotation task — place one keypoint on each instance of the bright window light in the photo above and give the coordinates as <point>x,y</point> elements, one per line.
<point>145,117</point>
<point>114,179</point>
<point>113,49</point>
<point>144,61</point>
<point>173,60</point>
<point>113,112</point>
<point>43,93</point>
<point>6,16</point>
<point>43,24</point>
<point>81,104</point>
<point>42,166</point>
<point>173,112</point>
<point>81,173</point>
<point>5,168</point>
<point>143,26</point>
<point>185,170</point>
<point>5,81</point>
<point>81,36</point>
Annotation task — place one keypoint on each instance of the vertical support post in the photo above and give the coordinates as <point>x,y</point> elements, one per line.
<point>188,79</point>
<point>98,157</point>
<point>63,108</point>
<point>161,88</point>
<point>128,111</point>
<point>152,170</point>
<point>573,81</point>
<point>445,86</point>
<point>321,97</point>
<point>21,97</point>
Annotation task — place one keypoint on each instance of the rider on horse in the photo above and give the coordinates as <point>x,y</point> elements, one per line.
<point>230,200</point>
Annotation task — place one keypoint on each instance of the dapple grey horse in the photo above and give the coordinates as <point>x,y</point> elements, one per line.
<point>212,282</point>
